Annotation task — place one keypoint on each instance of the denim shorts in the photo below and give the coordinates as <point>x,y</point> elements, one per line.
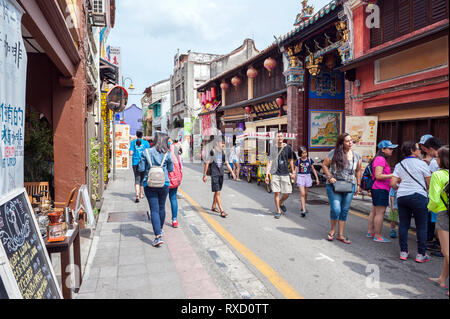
<point>380,197</point>
<point>216,183</point>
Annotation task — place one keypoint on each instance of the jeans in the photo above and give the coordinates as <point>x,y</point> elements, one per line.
<point>157,201</point>
<point>409,206</point>
<point>339,203</point>
<point>174,202</point>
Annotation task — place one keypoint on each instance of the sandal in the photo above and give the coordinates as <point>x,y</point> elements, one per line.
<point>330,237</point>
<point>436,283</point>
<point>344,239</point>
<point>215,210</point>
<point>223,214</point>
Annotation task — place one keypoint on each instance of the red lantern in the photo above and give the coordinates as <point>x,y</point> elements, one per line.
<point>252,73</point>
<point>270,64</point>
<point>236,81</point>
<point>213,94</point>
<point>224,86</point>
<point>280,101</point>
<point>248,110</point>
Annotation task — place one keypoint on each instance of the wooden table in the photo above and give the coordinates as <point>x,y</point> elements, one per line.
<point>63,248</point>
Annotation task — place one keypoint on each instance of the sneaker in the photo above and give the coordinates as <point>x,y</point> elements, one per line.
<point>369,235</point>
<point>175,223</point>
<point>422,258</point>
<point>433,246</point>
<point>393,233</point>
<point>283,208</point>
<point>437,254</point>
<point>157,242</point>
<point>277,215</point>
<point>381,240</point>
<point>404,255</point>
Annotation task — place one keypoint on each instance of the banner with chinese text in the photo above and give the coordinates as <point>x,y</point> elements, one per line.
<point>13,75</point>
<point>122,146</point>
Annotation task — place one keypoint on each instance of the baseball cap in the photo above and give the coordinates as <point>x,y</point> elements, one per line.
<point>386,144</point>
<point>425,138</point>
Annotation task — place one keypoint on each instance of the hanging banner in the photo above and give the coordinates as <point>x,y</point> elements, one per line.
<point>363,130</point>
<point>13,78</point>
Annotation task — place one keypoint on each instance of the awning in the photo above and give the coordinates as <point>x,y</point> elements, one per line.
<point>109,72</point>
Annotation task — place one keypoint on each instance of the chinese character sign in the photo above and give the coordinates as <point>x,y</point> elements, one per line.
<point>13,72</point>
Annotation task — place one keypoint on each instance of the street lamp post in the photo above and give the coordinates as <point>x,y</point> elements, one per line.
<point>131,88</point>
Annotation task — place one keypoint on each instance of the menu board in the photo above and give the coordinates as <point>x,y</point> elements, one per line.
<point>22,245</point>
<point>122,146</point>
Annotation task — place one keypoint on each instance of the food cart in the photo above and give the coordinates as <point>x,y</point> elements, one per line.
<point>255,163</point>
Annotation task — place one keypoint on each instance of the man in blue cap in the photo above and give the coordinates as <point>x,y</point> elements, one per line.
<point>425,156</point>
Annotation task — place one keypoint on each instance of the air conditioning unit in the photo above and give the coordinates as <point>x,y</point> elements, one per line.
<point>98,19</point>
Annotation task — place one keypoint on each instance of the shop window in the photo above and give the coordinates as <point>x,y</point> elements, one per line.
<point>400,17</point>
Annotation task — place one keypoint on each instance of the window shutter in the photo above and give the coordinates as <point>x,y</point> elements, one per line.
<point>439,10</point>
<point>420,14</point>
<point>404,17</point>
<point>389,21</point>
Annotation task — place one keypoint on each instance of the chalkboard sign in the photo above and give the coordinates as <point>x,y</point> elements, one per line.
<point>22,245</point>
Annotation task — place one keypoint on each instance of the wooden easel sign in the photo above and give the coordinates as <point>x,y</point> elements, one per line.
<point>84,202</point>
<point>26,271</point>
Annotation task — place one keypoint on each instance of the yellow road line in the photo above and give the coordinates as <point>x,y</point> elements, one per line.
<point>282,285</point>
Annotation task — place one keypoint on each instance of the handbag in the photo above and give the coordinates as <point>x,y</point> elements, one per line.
<point>344,186</point>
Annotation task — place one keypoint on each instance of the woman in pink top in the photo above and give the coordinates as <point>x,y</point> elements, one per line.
<point>380,190</point>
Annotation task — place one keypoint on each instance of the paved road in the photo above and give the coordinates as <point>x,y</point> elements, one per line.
<point>253,255</point>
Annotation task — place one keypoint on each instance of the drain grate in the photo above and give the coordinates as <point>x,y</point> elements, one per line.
<point>122,217</point>
<point>317,202</point>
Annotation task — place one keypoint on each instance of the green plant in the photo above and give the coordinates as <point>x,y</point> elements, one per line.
<point>38,164</point>
<point>94,163</point>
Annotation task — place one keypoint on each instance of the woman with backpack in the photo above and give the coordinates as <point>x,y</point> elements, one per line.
<point>411,178</point>
<point>438,195</point>
<point>175,178</point>
<point>137,147</point>
<point>156,182</point>
<point>303,168</point>
<point>380,190</point>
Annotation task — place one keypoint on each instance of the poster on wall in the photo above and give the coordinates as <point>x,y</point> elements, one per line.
<point>325,126</point>
<point>122,146</point>
<point>13,78</point>
<point>363,130</point>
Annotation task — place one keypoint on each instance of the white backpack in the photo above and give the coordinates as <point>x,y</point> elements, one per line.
<point>156,177</point>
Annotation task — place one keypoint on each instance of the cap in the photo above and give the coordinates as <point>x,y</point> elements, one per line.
<point>425,138</point>
<point>386,144</point>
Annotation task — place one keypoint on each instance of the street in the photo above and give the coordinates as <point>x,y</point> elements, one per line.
<point>291,256</point>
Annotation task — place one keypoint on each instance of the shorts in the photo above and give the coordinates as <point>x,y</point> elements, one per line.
<point>304,180</point>
<point>281,184</point>
<point>380,197</point>
<point>393,215</point>
<point>138,176</point>
<point>216,183</point>
<point>442,221</point>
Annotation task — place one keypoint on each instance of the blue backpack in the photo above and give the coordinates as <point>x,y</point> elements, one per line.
<point>142,164</point>
<point>367,178</point>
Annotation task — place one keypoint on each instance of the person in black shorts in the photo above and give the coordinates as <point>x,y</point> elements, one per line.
<point>216,159</point>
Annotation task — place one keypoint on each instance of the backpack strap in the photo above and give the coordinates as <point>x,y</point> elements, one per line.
<point>149,158</point>
<point>164,159</point>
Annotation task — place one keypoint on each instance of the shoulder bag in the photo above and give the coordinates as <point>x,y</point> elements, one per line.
<point>344,186</point>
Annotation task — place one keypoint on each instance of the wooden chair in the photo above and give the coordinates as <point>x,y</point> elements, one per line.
<point>59,206</point>
<point>38,188</point>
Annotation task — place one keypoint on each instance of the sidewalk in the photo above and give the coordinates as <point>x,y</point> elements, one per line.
<point>122,262</point>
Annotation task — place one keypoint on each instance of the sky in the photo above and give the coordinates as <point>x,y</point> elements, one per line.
<point>151,32</point>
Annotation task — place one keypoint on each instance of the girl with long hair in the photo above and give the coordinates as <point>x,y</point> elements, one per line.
<point>342,167</point>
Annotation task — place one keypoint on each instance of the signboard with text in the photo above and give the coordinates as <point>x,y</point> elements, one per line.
<point>363,130</point>
<point>122,146</point>
<point>13,75</point>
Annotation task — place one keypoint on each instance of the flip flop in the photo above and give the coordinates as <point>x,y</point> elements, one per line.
<point>436,283</point>
<point>215,210</point>
<point>223,214</point>
<point>330,237</point>
<point>345,240</point>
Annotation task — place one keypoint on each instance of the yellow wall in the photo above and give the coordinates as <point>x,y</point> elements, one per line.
<point>423,57</point>
<point>434,111</point>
